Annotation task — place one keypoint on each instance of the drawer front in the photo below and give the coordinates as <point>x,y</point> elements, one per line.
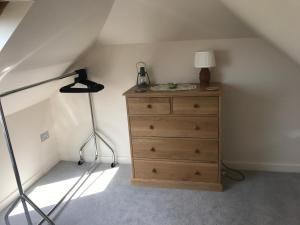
<point>196,105</point>
<point>164,126</point>
<point>178,149</point>
<point>178,171</point>
<point>148,106</point>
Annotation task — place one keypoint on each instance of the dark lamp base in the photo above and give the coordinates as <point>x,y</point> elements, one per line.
<point>204,77</point>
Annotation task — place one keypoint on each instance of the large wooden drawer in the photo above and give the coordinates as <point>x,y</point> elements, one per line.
<point>176,149</point>
<point>196,105</point>
<point>148,106</point>
<point>178,171</point>
<point>174,126</point>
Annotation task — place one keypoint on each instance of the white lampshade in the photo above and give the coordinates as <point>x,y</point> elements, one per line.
<point>205,59</point>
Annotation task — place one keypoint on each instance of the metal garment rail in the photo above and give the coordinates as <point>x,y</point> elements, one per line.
<point>22,196</point>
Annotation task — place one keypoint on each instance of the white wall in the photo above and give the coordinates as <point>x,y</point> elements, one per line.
<point>33,156</point>
<point>261,107</point>
<point>73,125</point>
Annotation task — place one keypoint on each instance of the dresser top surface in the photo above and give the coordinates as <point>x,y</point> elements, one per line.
<point>199,91</point>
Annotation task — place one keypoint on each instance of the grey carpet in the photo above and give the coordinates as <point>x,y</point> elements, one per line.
<point>262,199</point>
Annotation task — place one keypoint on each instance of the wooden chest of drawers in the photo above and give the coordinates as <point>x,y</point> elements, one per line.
<point>175,138</point>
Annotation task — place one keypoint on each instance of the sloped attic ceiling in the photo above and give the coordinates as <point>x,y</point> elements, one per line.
<point>141,21</point>
<point>47,41</point>
<point>276,20</point>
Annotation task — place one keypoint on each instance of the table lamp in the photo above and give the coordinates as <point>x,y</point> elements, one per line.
<point>204,60</point>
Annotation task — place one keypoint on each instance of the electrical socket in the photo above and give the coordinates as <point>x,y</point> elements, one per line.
<point>44,136</point>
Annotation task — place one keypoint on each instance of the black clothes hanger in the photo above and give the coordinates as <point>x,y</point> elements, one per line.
<point>82,79</point>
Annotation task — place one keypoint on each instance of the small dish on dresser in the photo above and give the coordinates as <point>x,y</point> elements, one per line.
<point>173,87</point>
<point>212,88</point>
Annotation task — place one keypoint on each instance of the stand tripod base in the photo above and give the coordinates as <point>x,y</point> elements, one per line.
<point>94,136</point>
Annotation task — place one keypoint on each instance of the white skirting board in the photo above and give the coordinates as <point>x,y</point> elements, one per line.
<point>261,166</point>
<point>120,159</point>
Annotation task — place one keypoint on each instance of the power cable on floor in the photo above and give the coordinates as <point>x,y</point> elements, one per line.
<point>232,174</point>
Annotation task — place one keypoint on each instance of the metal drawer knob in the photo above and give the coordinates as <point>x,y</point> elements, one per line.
<point>154,170</point>
<point>152,149</point>
<point>197,151</point>
<point>197,173</point>
<point>149,106</point>
<point>151,127</point>
<point>196,106</point>
<point>197,127</point>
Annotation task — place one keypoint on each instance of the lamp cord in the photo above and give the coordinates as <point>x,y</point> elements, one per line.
<point>232,174</point>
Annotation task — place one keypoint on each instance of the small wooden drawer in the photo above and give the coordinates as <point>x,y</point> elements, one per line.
<point>170,126</point>
<point>196,105</point>
<point>178,171</point>
<point>148,106</point>
<point>176,149</point>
